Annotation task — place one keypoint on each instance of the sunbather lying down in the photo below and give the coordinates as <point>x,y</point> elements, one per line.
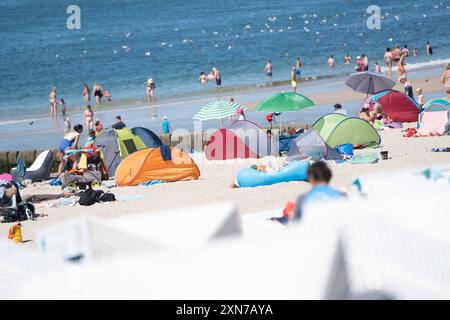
<point>319,176</point>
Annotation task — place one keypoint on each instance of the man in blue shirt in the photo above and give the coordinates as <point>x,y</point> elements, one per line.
<point>166,125</point>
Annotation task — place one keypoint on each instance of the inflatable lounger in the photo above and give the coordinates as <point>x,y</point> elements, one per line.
<point>294,171</point>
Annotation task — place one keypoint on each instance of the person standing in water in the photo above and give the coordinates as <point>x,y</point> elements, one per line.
<point>388,60</point>
<point>396,53</point>
<point>429,49</point>
<point>331,62</point>
<point>98,93</point>
<point>150,87</point>
<point>86,94</point>
<point>63,107</point>
<point>293,80</point>
<point>217,77</point>
<point>89,118</point>
<point>268,69</point>
<point>347,59</point>
<point>298,69</point>
<point>53,102</point>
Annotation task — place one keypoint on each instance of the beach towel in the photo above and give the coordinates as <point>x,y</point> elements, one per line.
<point>433,124</point>
<point>370,157</point>
<point>151,182</point>
<point>6,177</point>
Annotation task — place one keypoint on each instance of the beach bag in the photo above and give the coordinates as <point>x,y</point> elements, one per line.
<point>107,197</point>
<point>89,197</point>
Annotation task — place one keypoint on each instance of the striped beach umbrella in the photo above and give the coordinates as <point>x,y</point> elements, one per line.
<point>369,82</point>
<point>218,110</point>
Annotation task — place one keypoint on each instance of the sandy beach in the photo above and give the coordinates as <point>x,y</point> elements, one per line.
<point>215,182</point>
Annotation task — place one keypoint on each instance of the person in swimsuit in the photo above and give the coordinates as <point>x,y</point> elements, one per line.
<point>53,103</point>
<point>347,59</point>
<point>217,77</point>
<point>401,65</point>
<point>365,61</point>
<point>405,50</point>
<point>446,80</point>
<point>388,61</point>
<point>415,52</point>
<point>293,80</point>
<point>202,78</point>
<point>396,53</point>
<point>63,107</point>
<point>268,69</point>
<point>89,118</point>
<point>150,87</point>
<point>420,97</point>
<point>98,93</point>
<point>429,48</point>
<point>298,69</point>
<point>70,141</point>
<point>86,94</point>
<point>377,67</point>
<point>331,62</point>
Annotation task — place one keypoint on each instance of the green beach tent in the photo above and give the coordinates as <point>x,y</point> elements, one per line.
<point>337,129</point>
<point>117,145</point>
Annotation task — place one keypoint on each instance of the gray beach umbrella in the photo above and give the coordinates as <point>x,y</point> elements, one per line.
<point>369,82</point>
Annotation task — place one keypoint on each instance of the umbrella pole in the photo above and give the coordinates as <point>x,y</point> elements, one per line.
<point>368,88</point>
<point>281,121</point>
<point>221,123</point>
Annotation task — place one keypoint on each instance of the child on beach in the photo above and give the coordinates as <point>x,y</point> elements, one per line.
<point>420,97</point>
<point>63,107</point>
<point>377,68</point>
<point>319,176</point>
<point>90,140</point>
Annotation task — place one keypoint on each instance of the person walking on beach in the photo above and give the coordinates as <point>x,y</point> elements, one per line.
<point>98,93</point>
<point>86,94</point>
<point>401,69</point>
<point>89,118</point>
<point>331,62</point>
<point>150,87</point>
<point>429,49</point>
<point>268,69</point>
<point>446,80</point>
<point>53,102</point>
<point>347,59</point>
<point>293,80</point>
<point>217,77</point>
<point>388,59</point>
<point>166,127</point>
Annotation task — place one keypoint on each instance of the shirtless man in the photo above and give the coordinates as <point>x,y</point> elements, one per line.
<point>268,68</point>
<point>446,80</point>
<point>331,62</point>
<point>53,102</point>
<point>396,53</point>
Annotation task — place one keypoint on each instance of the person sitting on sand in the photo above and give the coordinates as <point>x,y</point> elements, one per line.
<point>367,115</point>
<point>338,109</point>
<point>319,176</point>
<point>70,141</point>
<point>90,140</point>
<point>119,124</point>
<point>98,126</point>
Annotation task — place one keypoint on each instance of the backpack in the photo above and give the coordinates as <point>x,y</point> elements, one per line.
<point>108,196</point>
<point>89,197</point>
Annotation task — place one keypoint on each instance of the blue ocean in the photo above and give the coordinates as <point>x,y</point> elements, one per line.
<point>123,43</point>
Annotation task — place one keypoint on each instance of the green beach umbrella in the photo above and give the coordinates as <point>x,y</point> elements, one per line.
<point>284,102</point>
<point>218,110</point>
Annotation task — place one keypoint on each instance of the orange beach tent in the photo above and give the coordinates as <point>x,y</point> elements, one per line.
<point>148,164</point>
